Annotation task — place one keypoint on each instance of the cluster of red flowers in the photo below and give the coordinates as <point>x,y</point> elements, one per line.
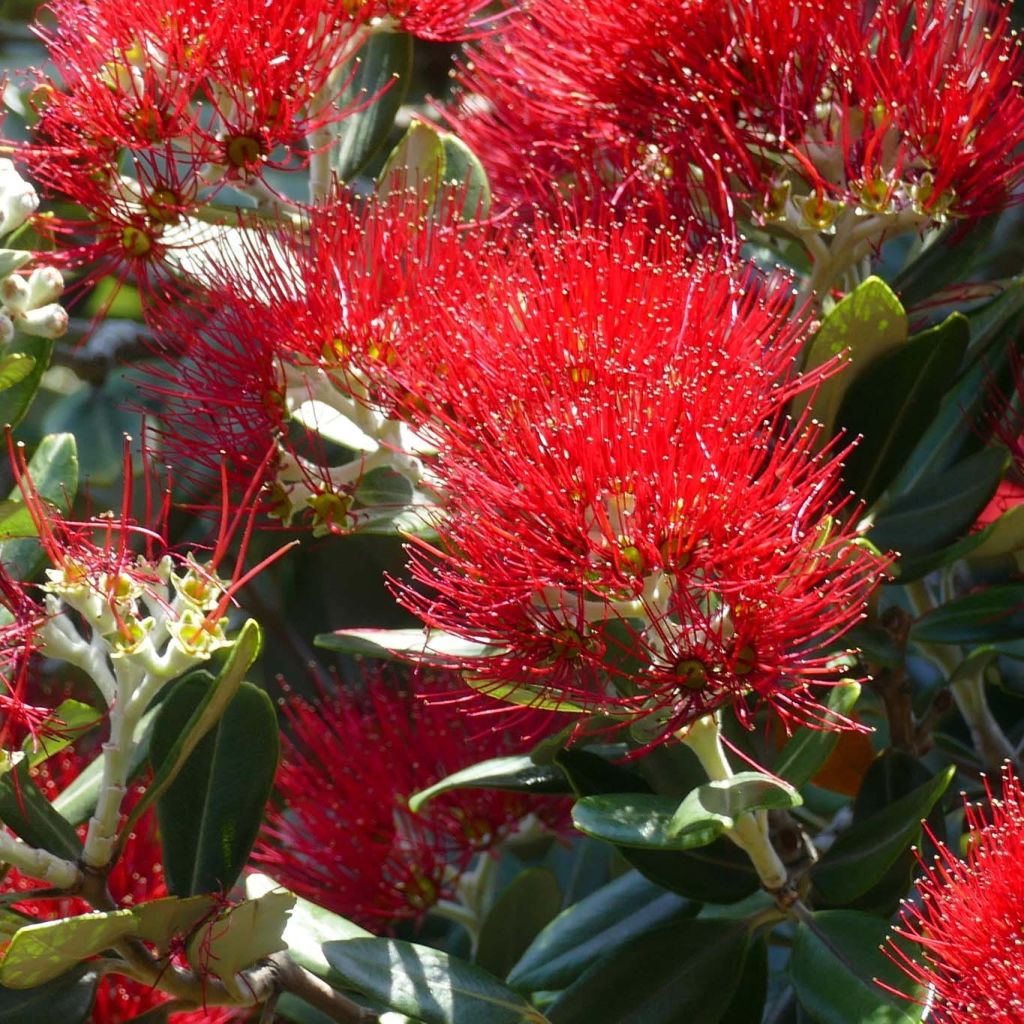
<point>807,112</point>
<point>152,112</point>
<point>136,878</point>
<point>343,834</point>
<point>968,920</point>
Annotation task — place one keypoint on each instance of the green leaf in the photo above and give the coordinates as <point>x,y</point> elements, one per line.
<point>649,821</point>
<point>719,873</point>
<point>14,368</point>
<point>516,773</point>
<point>866,324</point>
<point>217,695</point>
<point>423,646</point>
<point>211,813</point>
<point>465,175</point>
<point>426,984</point>
<point>808,749</point>
<point>416,163</point>
<point>676,974</point>
<point>938,511</point>
<point>40,952</point>
<point>864,852</point>
<point>308,927</point>
<point>383,69</point>
<point>747,1005</point>
<point>596,926</point>
<point>76,718</point>
<point>722,802</point>
<point>12,260</point>
<point>67,999</point>
<point>440,167</point>
<point>15,401</point>
<point>160,920</point>
<point>892,402</point>
<point>28,814</point>
<point>833,971</point>
<point>525,906</point>
<point>986,616</point>
<point>236,940</point>
<point>54,472</point>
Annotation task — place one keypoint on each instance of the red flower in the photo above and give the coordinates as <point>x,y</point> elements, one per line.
<point>429,19</point>
<point>343,835</point>
<point>136,878</point>
<point>631,527</point>
<point>289,344</point>
<point>887,116</point>
<point>969,917</point>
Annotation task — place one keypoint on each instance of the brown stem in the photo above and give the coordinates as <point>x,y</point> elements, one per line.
<point>291,977</point>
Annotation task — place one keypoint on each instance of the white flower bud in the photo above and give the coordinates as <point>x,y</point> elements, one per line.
<point>14,293</point>
<point>6,328</point>
<point>18,199</point>
<point>45,285</point>
<point>46,322</point>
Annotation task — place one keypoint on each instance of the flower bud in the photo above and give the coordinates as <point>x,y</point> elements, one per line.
<point>14,293</point>
<point>18,199</point>
<point>6,328</point>
<point>46,322</point>
<point>45,285</point>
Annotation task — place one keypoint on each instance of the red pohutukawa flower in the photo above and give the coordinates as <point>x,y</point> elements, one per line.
<point>344,836</point>
<point>968,919</point>
<point>632,526</point>
<point>288,346</point>
<point>848,117</point>
<point>136,878</point>
<point>428,19</point>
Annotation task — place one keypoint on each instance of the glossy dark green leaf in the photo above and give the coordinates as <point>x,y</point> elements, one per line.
<point>67,999</point>
<point>864,852</point>
<point>833,968</point>
<point>427,984</point>
<point>718,873</point>
<point>722,802</point>
<point>891,403</point>
<point>808,749</point>
<point>650,821</point>
<point>384,487</point>
<point>15,400</point>
<point>941,509</point>
<point>594,927</point>
<point>28,814</point>
<point>526,905</point>
<point>516,773</point>
<point>986,616</point>
<point>465,175</point>
<point>864,325</point>
<point>217,694</point>
<point>383,68</point>
<point>747,1004</point>
<point>54,472</point>
<point>677,974</point>
<point>211,813</point>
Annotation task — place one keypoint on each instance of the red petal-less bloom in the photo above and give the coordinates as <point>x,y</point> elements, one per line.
<point>631,525</point>
<point>343,835</point>
<point>439,20</point>
<point>136,878</point>
<point>968,919</point>
<point>295,321</point>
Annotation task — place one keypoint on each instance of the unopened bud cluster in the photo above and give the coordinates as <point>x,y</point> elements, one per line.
<point>27,303</point>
